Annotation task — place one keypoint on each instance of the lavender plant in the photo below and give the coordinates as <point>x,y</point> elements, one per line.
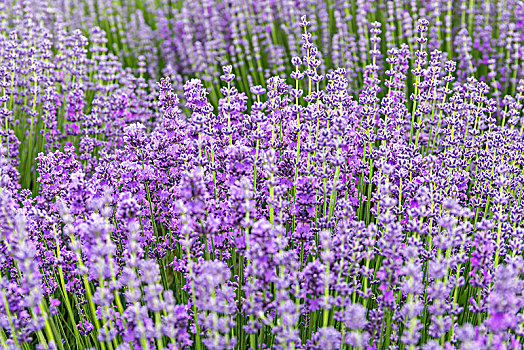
<point>261,175</point>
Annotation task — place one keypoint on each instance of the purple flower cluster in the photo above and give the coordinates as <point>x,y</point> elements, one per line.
<point>351,183</point>
<point>257,36</point>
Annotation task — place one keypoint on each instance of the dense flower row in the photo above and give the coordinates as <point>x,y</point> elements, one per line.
<point>184,39</point>
<point>367,198</point>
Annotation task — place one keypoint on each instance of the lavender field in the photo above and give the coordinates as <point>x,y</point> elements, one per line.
<point>261,174</point>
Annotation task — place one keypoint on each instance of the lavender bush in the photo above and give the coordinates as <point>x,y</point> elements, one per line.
<point>261,174</point>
